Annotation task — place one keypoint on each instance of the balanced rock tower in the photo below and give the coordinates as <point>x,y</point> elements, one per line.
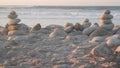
<point>13,26</point>
<point>105,20</point>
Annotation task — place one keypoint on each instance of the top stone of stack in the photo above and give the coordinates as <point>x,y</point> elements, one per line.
<point>106,15</point>
<point>12,15</point>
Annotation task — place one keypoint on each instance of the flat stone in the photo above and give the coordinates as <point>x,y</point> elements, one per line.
<point>107,12</point>
<point>105,22</point>
<point>99,32</point>
<point>13,21</point>
<point>108,27</point>
<point>12,16</point>
<point>106,16</point>
<point>13,27</point>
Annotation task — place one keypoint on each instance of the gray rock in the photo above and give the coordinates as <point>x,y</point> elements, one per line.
<point>53,26</point>
<point>12,16</point>
<point>98,39</point>
<point>58,33</point>
<point>108,27</point>
<point>75,33</point>
<point>113,42</point>
<point>78,27</point>
<point>106,16</point>
<point>102,22</point>
<point>89,30</point>
<point>101,50</point>
<point>67,24</point>
<point>99,32</point>
<point>16,32</point>
<point>68,29</point>
<point>107,12</point>
<point>85,23</point>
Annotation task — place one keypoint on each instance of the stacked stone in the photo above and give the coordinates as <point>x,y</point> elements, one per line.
<point>85,23</point>
<point>105,20</point>
<point>12,23</point>
<point>13,26</point>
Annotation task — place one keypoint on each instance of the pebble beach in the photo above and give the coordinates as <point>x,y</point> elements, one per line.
<point>78,45</point>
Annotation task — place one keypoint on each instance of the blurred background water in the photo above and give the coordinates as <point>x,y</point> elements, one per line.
<point>46,15</point>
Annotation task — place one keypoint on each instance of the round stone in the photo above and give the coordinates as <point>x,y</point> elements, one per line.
<point>12,13</point>
<point>107,12</point>
<point>86,20</point>
<point>67,24</point>
<point>106,16</point>
<point>68,29</point>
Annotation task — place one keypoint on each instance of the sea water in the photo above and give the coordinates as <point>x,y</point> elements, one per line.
<point>58,15</point>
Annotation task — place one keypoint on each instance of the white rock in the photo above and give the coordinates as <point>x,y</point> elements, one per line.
<point>13,21</point>
<point>58,33</point>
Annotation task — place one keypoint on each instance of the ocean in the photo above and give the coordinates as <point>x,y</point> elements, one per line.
<point>58,15</point>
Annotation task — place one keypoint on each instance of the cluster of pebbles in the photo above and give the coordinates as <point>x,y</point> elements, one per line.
<point>79,45</point>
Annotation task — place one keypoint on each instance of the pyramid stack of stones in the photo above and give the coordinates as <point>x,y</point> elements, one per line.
<point>105,20</point>
<point>13,26</point>
<point>85,23</point>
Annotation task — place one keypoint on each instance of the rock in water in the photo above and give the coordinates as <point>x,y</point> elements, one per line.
<point>58,33</point>
<point>99,32</point>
